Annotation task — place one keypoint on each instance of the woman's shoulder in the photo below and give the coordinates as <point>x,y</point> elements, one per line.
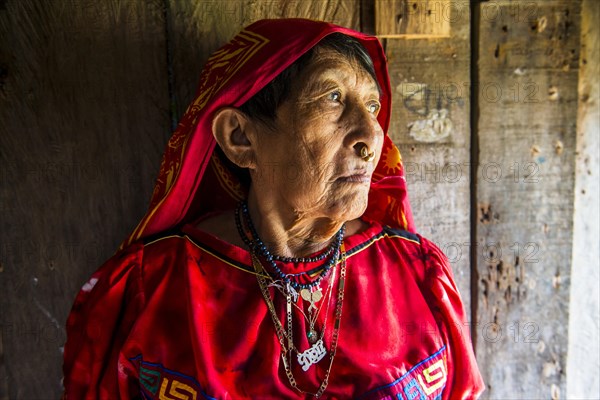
<point>374,233</point>
<point>427,250</point>
<point>401,249</point>
<point>137,262</point>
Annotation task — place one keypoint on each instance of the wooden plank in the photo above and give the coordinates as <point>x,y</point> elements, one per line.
<point>84,119</point>
<point>584,307</point>
<point>414,19</point>
<point>201,27</point>
<point>430,124</point>
<point>528,62</point>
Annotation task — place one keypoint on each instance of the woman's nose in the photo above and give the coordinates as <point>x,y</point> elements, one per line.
<point>364,129</point>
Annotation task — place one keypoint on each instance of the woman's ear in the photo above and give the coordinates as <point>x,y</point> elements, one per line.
<point>230,129</point>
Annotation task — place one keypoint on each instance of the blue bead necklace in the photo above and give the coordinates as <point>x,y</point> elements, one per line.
<point>257,246</point>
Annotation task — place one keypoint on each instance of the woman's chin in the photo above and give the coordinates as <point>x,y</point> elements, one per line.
<point>349,207</point>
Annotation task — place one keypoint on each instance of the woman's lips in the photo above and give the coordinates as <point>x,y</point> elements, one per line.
<point>360,177</point>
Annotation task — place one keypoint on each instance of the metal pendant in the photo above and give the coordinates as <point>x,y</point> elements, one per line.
<point>312,336</point>
<point>311,297</point>
<point>312,355</point>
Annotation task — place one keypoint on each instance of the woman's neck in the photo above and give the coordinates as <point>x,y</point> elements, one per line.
<point>290,233</point>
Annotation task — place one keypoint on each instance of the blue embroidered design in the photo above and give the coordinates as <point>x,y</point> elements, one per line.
<point>413,391</point>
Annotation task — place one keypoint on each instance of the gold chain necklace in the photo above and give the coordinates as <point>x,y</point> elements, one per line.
<point>317,351</point>
<point>313,315</point>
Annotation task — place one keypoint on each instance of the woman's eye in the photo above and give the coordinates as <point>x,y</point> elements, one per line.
<point>373,107</point>
<point>335,95</point>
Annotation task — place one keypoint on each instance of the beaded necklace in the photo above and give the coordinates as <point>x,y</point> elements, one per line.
<point>256,244</point>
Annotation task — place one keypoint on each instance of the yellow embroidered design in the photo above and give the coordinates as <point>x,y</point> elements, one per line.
<point>224,63</point>
<point>435,377</point>
<point>176,390</point>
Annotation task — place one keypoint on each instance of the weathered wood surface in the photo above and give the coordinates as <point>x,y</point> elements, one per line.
<point>84,120</point>
<point>415,19</point>
<point>584,307</point>
<point>430,124</point>
<point>528,62</point>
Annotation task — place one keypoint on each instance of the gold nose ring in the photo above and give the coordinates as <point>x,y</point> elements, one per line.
<point>365,155</point>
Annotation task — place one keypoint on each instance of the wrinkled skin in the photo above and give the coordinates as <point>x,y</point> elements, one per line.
<point>307,174</point>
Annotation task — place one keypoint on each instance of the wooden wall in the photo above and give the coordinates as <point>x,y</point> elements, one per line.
<point>430,125</point>
<point>485,111</point>
<point>528,69</point>
<point>84,118</point>
<point>584,301</point>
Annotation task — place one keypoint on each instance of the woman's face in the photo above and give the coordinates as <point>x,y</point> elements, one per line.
<point>310,157</point>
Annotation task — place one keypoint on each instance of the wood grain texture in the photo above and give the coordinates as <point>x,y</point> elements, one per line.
<point>201,27</point>
<point>413,19</point>
<point>584,301</point>
<point>430,125</point>
<point>528,62</point>
<point>84,119</point>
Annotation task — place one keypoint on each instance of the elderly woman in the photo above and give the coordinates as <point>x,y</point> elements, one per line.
<point>278,258</point>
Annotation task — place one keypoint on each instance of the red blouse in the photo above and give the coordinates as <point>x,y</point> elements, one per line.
<point>182,317</point>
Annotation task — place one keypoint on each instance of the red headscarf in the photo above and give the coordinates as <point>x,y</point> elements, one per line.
<point>193,182</point>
